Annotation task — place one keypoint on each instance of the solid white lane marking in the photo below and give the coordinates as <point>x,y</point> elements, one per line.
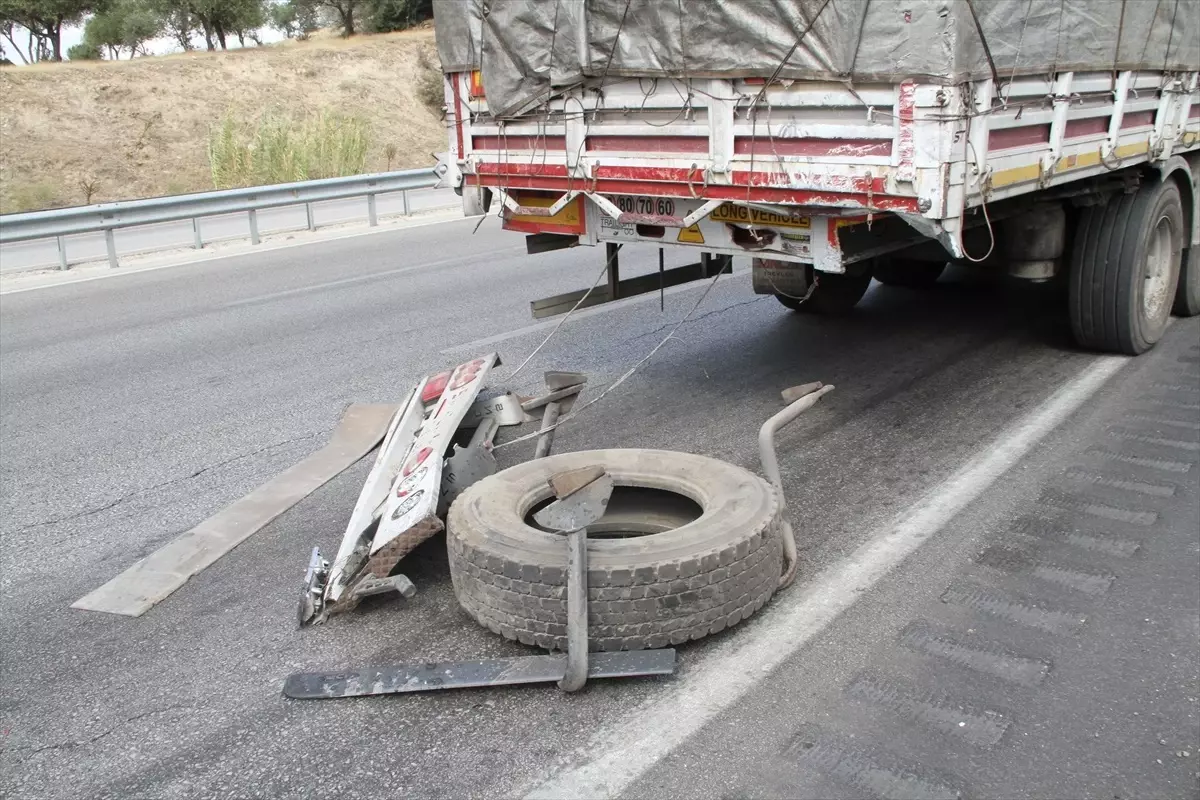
<point>628,749</point>
<point>487,341</point>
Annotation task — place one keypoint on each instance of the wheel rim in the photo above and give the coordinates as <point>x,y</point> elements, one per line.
<point>1157,283</point>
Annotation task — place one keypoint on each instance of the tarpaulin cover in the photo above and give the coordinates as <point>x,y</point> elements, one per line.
<point>527,49</point>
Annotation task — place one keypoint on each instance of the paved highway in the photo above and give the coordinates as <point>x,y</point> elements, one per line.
<point>1040,639</point>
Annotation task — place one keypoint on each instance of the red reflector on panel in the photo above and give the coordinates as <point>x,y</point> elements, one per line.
<point>434,387</point>
<point>754,81</point>
<point>417,460</point>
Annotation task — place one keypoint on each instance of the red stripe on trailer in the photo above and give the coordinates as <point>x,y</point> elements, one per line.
<point>520,168</point>
<point>762,145</point>
<point>1194,113</point>
<point>1007,138</point>
<point>1138,120</point>
<point>648,144</point>
<point>519,143</point>
<point>1085,127</point>
<point>789,196</point>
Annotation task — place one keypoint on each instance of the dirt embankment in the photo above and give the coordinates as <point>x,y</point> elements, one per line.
<point>98,131</point>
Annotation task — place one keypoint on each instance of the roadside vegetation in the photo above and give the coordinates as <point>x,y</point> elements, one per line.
<point>167,97</point>
<point>97,131</point>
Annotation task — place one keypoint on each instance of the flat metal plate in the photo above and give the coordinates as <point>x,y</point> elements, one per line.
<point>468,674</point>
<point>155,577</point>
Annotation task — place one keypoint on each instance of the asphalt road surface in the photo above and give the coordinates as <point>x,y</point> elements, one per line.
<point>999,589</point>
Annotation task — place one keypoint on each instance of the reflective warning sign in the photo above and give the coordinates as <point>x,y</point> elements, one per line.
<point>753,216</point>
<point>691,235</point>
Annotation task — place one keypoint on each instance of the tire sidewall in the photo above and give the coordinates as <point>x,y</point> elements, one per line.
<point>1166,204</point>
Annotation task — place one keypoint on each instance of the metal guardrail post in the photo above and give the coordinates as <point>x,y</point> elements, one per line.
<point>199,242</point>
<point>254,239</point>
<point>110,244</point>
<point>308,215</point>
<point>372,214</point>
<point>404,197</point>
<point>62,253</point>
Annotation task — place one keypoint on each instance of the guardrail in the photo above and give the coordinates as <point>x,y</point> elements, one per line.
<point>109,217</point>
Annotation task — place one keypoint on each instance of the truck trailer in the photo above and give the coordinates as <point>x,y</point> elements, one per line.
<point>839,141</point>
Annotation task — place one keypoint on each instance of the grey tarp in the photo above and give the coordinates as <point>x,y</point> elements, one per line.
<point>528,48</point>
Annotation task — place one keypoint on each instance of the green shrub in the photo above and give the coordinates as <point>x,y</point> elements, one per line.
<point>280,149</point>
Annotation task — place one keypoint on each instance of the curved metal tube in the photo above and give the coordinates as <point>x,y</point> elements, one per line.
<point>800,399</point>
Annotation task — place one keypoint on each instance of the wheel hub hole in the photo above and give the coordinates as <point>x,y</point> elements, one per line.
<point>635,511</point>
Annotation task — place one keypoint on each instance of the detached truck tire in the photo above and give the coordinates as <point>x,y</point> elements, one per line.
<point>688,546</point>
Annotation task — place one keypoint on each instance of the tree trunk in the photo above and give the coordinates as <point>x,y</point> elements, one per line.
<point>348,19</point>
<point>208,35</point>
<point>220,29</point>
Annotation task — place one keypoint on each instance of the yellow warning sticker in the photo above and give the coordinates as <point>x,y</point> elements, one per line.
<point>691,235</point>
<point>568,219</point>
<point>753,216</point>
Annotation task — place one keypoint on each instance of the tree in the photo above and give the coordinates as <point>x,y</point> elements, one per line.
<point>123,25</point>
<point>396,15</point>
<point>295,19</point>
<point>220,18</point>
<point>84,52</point>
<point>44,20</point>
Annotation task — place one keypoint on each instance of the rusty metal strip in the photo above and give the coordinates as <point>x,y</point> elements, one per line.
<point>136,590</point>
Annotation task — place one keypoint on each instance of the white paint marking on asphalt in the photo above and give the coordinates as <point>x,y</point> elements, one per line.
<point>262,298</point>
<point>487,341</point>
<point>637,743</point>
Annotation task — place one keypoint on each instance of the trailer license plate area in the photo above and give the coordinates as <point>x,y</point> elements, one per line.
<point>639,204</point>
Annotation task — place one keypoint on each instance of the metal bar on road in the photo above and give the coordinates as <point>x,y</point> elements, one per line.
<point>199,242</point>
<point>372,216</point>
<point>308,216</point>
<point>62,252</point>
<point>110,245</point>
<point>404,198</point>
<point>254,239</point>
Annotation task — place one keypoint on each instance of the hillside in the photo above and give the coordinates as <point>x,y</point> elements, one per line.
<point>128,129</point>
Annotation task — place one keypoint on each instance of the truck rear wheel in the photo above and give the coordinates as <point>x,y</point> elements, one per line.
<point>835,293</point>
<point>688,546</point>
<point>1187,296</point>
<point>907,273</point>
<point>1125,268</point>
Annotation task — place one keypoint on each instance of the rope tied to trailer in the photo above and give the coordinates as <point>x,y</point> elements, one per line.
<point>620,380</point>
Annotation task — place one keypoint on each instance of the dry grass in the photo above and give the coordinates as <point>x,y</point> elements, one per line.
<point>141,128</point>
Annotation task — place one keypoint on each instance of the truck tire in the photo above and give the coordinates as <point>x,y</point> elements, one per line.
<point>835,293</point>
<point>1187,296</point>
<point>907,273</point>
<point>683,569</point>
<point>1124,269</point>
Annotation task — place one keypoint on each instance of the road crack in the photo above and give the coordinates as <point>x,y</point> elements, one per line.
<point>71,745</point>
<point>705,315</point>
<point>147,489</point>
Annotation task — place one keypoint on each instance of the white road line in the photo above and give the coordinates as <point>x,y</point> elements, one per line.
<point>487,341</point>
<point>635,744</point>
